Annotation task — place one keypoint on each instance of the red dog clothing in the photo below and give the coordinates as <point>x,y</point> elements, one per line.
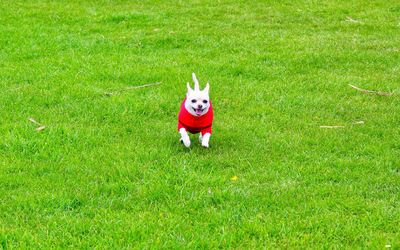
<point>195,124</point>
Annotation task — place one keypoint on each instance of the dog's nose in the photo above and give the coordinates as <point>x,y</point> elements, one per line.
<point>200,106</point>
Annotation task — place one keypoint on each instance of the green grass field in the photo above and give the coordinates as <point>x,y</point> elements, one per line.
<point>108,171</point>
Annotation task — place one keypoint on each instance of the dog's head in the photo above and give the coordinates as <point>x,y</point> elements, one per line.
<point>197,101</point>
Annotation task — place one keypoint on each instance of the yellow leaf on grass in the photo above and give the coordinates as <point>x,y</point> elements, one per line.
<point>234,178</point>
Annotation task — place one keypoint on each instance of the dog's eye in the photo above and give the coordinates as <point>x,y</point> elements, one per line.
<point>193,100</point>
<point>205,101</point>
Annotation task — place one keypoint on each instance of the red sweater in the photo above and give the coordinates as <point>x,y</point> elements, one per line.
<point>195,124</point>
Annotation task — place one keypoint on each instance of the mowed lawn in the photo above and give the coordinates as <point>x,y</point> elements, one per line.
<point>108,171</point>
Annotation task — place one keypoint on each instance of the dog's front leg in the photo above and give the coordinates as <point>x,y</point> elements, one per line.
<point>184,137</point>
<point>205,139</point>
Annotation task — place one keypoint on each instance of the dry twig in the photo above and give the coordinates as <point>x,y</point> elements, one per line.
<point>331,126</point>
<point>133,87</point>
<point>41,126</point>
<point>34,121</point>
<point>143,86</point>
<point>366,91</point>
<point>349,19</point>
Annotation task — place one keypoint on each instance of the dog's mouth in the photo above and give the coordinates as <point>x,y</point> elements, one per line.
<point>198,111</point>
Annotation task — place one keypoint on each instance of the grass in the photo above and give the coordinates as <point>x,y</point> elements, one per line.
<point>108,171</point>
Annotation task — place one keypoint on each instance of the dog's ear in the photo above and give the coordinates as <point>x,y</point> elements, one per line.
<point>189,89</point>
<point>207,88</point>
<point>196,82</point>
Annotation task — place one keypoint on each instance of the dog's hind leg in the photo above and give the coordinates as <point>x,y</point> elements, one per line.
<point>200,138</point>
<point>184,137</point>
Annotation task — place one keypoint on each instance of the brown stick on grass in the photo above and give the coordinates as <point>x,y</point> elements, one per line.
<point>366,91</point>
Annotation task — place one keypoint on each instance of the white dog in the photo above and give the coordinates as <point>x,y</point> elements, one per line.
<point>196,114</point>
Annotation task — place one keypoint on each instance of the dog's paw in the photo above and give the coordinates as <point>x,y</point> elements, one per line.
<point>204,144</point>
<point>200,138</point>
<point>185,141</point>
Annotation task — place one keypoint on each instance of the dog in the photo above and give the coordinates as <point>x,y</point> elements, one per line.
<point>196,114</point>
